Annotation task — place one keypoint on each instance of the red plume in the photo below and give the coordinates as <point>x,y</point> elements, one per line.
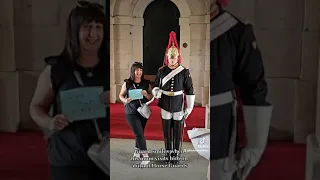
<point>173,39</point>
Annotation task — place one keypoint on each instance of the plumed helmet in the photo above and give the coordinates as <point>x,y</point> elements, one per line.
<point>173,48</point>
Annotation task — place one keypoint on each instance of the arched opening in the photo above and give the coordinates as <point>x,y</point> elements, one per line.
<point>160,18</point>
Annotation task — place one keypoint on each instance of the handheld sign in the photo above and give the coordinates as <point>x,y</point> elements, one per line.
<point>82,103</point>
<point>135,94</point>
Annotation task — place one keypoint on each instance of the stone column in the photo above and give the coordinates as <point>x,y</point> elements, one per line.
<point>311,22</point>
<point>207,69</point>
<point>313,141</point>
<point>185,39</point>
<point>137,48</point>
<point>113,96</point>
<point>206,73</point>
<point>7,62</point>
<point>9,87</point>
<point>317,121</point>
<point>198,52</point>
<point>122,53</point>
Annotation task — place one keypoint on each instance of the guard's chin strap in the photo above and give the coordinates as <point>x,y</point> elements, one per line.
<point>173,66</point>
<point>215,12</point>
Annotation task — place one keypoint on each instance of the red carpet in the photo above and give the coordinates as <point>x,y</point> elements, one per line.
<point>121,129</point>
<point>23,156</point>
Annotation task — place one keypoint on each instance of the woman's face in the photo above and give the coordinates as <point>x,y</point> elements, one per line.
<point>138,73</point>
<point>91,36</point>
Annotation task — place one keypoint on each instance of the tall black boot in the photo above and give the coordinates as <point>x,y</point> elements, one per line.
<point>177,130</point>
<point>166,124</point>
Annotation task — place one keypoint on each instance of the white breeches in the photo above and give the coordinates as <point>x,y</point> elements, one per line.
<point>175,116</point>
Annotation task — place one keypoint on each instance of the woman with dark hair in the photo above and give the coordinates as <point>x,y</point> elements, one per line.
<point>86,51</point>
<point>136,121</point>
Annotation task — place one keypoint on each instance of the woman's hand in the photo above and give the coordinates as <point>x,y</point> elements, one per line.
<point>145,93</point>
<point>59,122</point>
<point>129,100</point>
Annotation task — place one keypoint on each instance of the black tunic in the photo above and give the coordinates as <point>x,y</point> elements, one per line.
<point>69,146</point>
<point>131,108</point>
<point>235,63</point>
<point>181,81</point>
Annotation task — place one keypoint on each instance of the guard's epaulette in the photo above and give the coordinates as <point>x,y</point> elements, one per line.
<point>162,67</point>
<point>242,20</point>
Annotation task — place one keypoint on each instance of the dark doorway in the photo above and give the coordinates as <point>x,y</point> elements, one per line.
<point>160,18</point>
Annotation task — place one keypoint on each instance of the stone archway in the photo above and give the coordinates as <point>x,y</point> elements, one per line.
<point>160,18</point>
<point>141,6</point>
<point>138,23</point>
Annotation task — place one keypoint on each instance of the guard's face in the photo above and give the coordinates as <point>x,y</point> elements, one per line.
<point>172,59</point>
<point>91,36</point>
<point>138,73</point>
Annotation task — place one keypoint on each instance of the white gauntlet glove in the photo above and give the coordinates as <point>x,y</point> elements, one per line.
<point>257,121</point>
<point>248,160</point>
<point>156,92</point>
<point>190,103</point>
<point>187,112</point>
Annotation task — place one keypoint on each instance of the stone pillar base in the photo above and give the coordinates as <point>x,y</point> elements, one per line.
<point>313,158</point>
<point>207,123</point>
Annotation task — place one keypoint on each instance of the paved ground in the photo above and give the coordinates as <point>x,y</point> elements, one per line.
<point>122,166</point>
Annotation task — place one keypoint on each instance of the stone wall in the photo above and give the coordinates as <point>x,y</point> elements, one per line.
<point>288,36</point>
<point>29,32</point>
<point>126,42</point>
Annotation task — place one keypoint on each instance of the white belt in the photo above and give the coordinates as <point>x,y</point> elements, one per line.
<point>221,99</point>
<point>171,93</point>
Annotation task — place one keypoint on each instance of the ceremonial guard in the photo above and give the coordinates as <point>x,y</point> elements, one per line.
<point>173,81</point>
<point>235,63</point>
